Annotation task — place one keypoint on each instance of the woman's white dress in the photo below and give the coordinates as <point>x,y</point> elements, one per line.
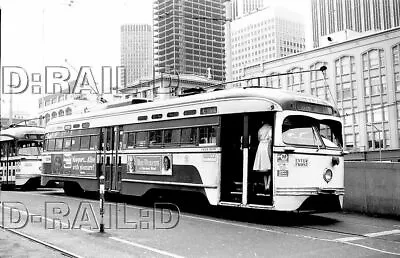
<point>262,161</point>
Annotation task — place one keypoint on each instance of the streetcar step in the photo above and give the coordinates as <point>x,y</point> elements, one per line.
<point>263,194</point>
<point>238,193</point>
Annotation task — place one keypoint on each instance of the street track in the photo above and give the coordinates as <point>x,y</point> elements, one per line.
<point>42,243</point>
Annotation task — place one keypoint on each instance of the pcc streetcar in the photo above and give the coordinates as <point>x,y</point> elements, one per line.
<point>20,156</point>
<point>205,143</point>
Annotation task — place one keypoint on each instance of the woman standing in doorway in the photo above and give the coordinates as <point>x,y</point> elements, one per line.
<point>262,162</point>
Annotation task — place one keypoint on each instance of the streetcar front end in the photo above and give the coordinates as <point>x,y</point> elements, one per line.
<point>308,162</point>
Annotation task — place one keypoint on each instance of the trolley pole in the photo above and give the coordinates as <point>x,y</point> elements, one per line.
<point>101,204</point>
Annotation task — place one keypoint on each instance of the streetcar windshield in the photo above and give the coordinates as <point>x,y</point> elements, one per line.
<point>301,130</point>
<point>29,149</point>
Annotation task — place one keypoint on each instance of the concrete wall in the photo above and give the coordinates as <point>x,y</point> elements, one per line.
<point>372,187</point>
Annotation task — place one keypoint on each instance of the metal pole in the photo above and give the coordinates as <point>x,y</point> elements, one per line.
<point>380,147</point>
<point>380,141</point>
<point>101,204</point>
<point>245,143</point>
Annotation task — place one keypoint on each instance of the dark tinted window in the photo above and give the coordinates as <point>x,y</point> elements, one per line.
<point>67,144</point>
<point>172,136</point>
<point>141,138</point>
<point>188,136</point>
<point>155,137</point>
<point>131,140</point>
<point>85,140</point>
<point>94,139</point>
<point>75,143</point>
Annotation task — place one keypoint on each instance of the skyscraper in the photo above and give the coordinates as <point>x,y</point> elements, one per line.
<point>136,52</point>
<point>267,34</point>
<point>189,37</point>
<point>243,7</point>
<point>330,16</point>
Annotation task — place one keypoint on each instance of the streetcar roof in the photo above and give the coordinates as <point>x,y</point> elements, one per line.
<point>17,133</point>
<point>281,99</point>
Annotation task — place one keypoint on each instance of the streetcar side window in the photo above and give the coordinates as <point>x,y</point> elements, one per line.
<point>13,150</point>
<point>172,136</point>
<point>189,136</point>
<point>75,143</point>
<point>51,144</point>
<point>130,141</point>
<point>155,138</point>
<point>67,143</point>
<point>208,135</point>
<point>94,142</point>
<point>85,140</point>
<point>59,144</point>
<point>141,139</point>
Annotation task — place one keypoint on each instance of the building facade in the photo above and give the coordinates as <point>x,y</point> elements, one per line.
<point>263,35</point>
<point>66,103</point>
<point>189,37</point>
<point>167,86</point>
<point>243,7</point>
<point>330,16</point>
<point>362,79</point>
<point>136,52</point>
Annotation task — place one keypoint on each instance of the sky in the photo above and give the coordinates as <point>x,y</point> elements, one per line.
<point>38,33</point>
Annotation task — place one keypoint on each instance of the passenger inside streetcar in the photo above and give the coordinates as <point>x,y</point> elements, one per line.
<point>262,161</point>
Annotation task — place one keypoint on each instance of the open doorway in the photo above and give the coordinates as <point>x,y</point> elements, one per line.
<point>233,128</point>
<point>232,158</point>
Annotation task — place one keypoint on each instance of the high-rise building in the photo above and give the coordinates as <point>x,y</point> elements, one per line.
<point>189,37</point>
<point>136,52</point>
<point>243,7</point>
<point>267,34</point>
<point>362,80</point>
<point>330,16</point>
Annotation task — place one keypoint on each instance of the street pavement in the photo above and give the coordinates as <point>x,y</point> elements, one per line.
<point>136,229</point>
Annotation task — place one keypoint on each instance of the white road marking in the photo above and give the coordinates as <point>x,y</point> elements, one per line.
<point>348,239</point>
<point>369,235</point>
<point>383,233</point>
<point>146,247</point>
<point>372,249</point>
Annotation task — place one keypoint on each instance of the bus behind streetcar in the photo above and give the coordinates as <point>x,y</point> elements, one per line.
<point>20,156</point>
<point>257,148</point>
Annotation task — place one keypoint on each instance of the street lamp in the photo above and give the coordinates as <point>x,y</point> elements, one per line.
<point>380,140</point>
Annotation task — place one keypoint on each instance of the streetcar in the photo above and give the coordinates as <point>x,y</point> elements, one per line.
<point>20,156</point>
<point>205,143</point>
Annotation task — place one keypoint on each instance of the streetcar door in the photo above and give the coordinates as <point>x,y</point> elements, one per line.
<point>111,142</point>
<point>259,181</point>
<point>240,183</point>
<point>232,158</point>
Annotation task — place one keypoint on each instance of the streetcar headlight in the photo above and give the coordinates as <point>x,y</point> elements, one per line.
<point>328,175</point>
